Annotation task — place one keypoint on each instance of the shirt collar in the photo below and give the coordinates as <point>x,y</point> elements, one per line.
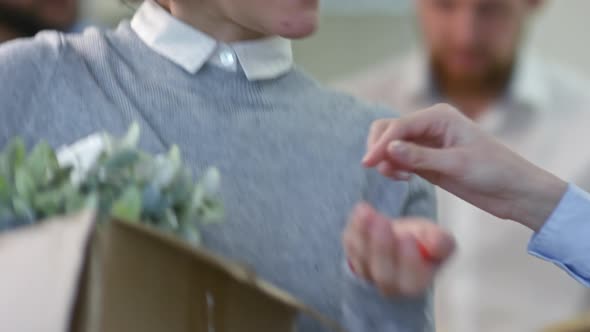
<point>191,49</point>
<point>528,87</point>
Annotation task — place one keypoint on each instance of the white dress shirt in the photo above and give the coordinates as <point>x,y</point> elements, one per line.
<point>492,284</point>
<point>191,49</point>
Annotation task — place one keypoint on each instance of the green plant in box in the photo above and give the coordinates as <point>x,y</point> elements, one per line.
<point>120,181</point>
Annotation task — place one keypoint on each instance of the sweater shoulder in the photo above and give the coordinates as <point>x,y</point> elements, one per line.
<point>344,104</point>
<point>340,103</point>
<point>26,64</point>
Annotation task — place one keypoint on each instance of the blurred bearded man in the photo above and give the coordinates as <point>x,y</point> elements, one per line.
<point>474,57</point>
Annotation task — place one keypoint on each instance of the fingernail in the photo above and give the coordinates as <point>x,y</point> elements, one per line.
<point>401,175</point>
<point>424,252</point>
<point>396,148</point>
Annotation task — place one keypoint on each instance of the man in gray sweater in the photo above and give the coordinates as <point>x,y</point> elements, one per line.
<point>288,149</point>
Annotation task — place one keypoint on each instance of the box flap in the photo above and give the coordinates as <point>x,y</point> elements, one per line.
<point>40,267</point>
<point>150,281</point>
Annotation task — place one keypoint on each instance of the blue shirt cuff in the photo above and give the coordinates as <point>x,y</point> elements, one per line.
<point>565,238</point>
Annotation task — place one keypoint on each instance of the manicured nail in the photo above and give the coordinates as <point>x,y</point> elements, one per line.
<point>424,252</point>
<point>396,148</point>
<point>401,175</point>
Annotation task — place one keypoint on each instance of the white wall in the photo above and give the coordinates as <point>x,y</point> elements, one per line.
<point>562,33</point>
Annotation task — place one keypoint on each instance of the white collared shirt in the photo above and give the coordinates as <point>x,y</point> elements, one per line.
<point>191,49</point>
<point>493,284</point>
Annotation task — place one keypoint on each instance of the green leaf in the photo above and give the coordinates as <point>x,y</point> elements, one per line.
<point>131,139</point>
<point>17,152</point>
<point>211,180</point>
<point>174,156</point>
<point>193,206</point>
<point>91,202</point>
<point>4,189</point>
<point>181,187</point>
<point>169,222</point>
<point>48,203</point>
<point>165,173</point>
<point>74,202</point>
<point>5,169</point>
<point>128,206</point>
<point>60,175</point>
<point>190,234</point>
<point>211,212</point>
<point>121,159</point>
<point>22,209</point>
<point>24,184</point>
<point>12,157</point>
<point>41,163</point>
<point>152,201</point>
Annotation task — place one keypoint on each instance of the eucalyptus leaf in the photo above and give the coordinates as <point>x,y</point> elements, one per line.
<point>128,207</point>
<point>190,234</point>
<point>174,156</point>
<point>22,209</point>
<point>131,139</point>
<point>211,212</point>
<point>6,212</point>
<point>91,202</point>
<point>4,189</point>
<point>211,180</point>
<point>164,173</point>
<point>48,203</point>
<point>17,152</point>
<point>12,157</point>
<point>151,200</point>
<point>40,163</point>
<point>74,202</point>
<point>123,182</point>
<point>121,159</point>
<point>169,222</point>
<point>24,184</point>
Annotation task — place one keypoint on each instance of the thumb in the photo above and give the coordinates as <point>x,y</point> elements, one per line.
<point>417,158</point>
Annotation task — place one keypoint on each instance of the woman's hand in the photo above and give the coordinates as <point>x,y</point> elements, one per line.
<point>447,149</point>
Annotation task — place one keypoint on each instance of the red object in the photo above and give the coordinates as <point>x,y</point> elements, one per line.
<point>425,253</point>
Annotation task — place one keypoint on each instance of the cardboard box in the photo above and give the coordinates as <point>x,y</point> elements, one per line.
<point>130,278</point>
<point>578,324</point>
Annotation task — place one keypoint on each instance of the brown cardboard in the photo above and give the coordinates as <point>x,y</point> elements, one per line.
<point>578,324</point>
<point>139,280</point>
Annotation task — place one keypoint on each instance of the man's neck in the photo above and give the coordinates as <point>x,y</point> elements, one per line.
<point>208,18</point>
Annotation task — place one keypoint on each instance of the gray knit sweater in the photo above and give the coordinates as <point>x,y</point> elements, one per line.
<point>289,152</point>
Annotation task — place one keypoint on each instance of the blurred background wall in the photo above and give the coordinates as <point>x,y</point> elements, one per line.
<point>358,33</point>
